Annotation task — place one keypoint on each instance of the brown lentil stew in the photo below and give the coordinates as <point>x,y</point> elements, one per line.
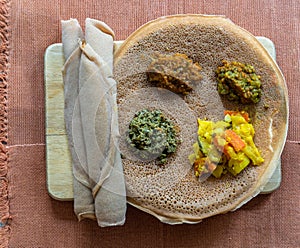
<point>175,72</point>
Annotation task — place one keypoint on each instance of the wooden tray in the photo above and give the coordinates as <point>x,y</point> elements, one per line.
<point>59,169</point>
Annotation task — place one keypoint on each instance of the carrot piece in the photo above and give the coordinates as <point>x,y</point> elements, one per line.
<point>210,166</point>
<point>235,140</point>
<point>244,114</point>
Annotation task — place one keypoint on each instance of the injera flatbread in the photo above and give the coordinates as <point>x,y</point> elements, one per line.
<point>172,193</point>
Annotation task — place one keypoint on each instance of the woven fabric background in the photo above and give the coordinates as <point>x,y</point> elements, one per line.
<point>30,218</point>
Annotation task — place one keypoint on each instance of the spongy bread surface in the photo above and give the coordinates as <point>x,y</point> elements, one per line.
<point>172,192</point>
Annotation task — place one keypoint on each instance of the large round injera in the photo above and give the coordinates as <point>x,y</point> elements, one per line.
<point>172,192</point>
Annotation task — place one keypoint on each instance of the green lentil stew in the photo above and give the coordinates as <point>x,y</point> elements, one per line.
<point>239,82</point>
<point>152,135</point>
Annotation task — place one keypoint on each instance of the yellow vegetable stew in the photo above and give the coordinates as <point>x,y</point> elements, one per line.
<point>225,146</point>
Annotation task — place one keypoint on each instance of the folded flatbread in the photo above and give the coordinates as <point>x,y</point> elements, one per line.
<point>92,123</point>
<point>172,193</point>
<point>83,202</point>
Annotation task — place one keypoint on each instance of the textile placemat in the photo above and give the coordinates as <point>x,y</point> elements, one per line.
<point>31,218</point>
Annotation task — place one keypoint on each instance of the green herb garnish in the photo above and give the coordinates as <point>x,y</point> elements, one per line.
<point>152,135</point>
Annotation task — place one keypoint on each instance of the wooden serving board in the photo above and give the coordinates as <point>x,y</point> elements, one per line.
<point>59,169</point>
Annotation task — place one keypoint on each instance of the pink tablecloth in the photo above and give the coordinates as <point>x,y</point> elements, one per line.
<point>30,218</point>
